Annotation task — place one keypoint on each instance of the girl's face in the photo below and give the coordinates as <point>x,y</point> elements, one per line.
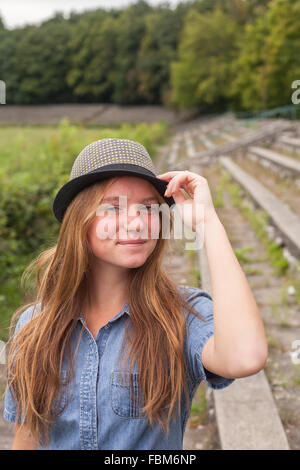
<point>123,216</point>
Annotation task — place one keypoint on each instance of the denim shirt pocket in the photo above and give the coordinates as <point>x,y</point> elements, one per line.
<point>124,402</point>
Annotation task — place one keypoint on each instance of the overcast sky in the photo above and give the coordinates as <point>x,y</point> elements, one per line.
<point>20,12</point>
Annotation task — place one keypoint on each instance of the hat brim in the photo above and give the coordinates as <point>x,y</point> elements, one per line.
<point>73,187</point>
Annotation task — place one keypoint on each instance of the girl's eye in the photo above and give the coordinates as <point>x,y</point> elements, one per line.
<point>148,209</point>
<point>153,209</point>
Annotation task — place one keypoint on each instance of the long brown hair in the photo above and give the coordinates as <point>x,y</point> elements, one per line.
<point>157,323</point>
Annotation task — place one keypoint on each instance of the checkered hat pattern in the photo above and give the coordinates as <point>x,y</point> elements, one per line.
<point>111,151</point>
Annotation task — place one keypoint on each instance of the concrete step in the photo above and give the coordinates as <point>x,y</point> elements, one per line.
<point>285,220</point>
<point>247,416</point>
<point>275,157</point>
<point>290,142</point>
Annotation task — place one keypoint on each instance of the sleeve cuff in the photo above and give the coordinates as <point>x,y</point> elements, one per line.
<point>211,379</point>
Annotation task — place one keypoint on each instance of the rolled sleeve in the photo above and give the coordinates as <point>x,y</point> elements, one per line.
<point>199,332</point>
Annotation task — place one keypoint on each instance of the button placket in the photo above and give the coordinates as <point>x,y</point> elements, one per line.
<point>88,397</point>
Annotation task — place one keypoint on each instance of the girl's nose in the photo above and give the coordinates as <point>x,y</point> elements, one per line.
<point>133,220</point>
<point>136,222</point>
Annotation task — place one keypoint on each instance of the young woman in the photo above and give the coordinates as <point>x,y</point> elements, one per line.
<point>111,352</point>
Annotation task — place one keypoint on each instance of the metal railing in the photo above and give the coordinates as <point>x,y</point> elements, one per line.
<point>290,110</point>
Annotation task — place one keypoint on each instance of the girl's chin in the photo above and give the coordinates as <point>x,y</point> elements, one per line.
<point>132,261</point>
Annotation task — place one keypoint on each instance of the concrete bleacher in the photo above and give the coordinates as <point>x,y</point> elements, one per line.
<point>275,157</point>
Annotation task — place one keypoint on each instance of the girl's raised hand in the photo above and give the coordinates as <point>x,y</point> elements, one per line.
<point>200,207</point>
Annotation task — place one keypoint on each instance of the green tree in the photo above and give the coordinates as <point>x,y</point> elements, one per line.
<point>283,50</point>
<point>1,24</point>
<point>250,84</point>
<point>204,6</point>
<point>8,44</point>
<point>242,11</point>
<point>131,26</point>
<point>157,50</point>
<point>207,49</point>
<point>40,62</point>
<point>269,58</point>
<point>93,48</point>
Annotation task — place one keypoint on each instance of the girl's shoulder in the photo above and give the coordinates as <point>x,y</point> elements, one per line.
<point>201,302</point>
<point>193,293</point>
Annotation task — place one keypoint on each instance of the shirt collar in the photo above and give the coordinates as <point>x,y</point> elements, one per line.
<point>125,309</point>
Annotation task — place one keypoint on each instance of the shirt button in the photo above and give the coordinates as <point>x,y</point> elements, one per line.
<point>106,327</point>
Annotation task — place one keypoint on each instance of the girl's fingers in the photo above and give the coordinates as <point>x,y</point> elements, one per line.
<point>168,175</point>
<point>180,180</point>
<point>179,197</point>
<point>184,174</point>
<point>170,172</point>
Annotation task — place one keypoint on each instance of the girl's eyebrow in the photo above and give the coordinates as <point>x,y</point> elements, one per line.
<point>116,198</point>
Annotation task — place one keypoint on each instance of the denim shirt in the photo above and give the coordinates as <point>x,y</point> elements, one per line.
<point>100,411</point>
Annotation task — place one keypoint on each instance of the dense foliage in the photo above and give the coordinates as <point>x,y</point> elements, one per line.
<point>216,54</point>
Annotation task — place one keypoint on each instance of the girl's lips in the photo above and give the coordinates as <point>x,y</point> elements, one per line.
<point>133,242</point>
